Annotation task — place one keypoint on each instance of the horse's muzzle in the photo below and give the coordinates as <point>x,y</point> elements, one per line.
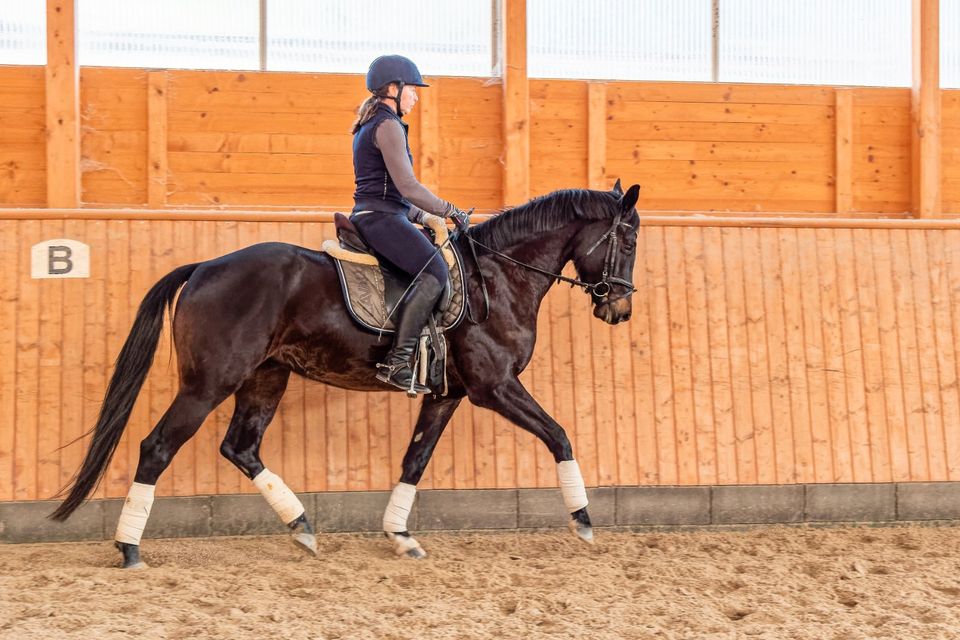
<point>614,311</point>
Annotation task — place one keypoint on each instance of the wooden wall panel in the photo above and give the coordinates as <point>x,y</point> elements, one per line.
<point>881,150</point>
<point>23,159</point>
<point>113,135</point>
<point>754,355</point>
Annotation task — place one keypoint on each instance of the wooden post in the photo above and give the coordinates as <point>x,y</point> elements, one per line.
<point>428,156</point>
<point>62,106</point>
<point>516,103</point>
<point>843,177</point>
<point>597,135</point>
<point>157,139</point>
<point>925,109</point>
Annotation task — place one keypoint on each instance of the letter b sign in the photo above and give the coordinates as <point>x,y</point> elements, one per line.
<point>60,258</point>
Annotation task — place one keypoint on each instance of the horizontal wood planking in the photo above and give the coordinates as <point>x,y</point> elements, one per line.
<point>23,158</point>
<point>785,354</point>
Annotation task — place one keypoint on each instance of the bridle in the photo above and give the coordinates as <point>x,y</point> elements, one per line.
<point>599,289</point>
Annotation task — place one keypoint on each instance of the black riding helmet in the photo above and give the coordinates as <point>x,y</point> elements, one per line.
<point>399,69</point>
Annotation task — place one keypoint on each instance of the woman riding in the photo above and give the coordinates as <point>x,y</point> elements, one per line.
<point>389,199</point>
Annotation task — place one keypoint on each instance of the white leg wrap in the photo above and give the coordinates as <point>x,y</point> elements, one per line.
<point>135,512</point>
<point>401,501</point>
<point>571,485</point>
<point>279,496</point>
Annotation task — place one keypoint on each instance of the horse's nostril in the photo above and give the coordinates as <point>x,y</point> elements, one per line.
<point>626,316</point>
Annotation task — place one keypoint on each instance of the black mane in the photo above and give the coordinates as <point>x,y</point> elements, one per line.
<point>542,214</point>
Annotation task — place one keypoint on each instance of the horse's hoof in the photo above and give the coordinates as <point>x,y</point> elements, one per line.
<point>582,531</point>
<point>137,566</point>
<point>405,546</point>
<point>306,541</point>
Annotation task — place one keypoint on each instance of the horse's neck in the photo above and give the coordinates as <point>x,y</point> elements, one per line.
<point>549,252</point>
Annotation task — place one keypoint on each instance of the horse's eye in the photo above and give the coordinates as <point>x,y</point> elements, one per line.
<point>629,246</point>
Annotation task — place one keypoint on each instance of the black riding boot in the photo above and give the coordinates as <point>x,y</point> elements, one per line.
<point>412,317</point>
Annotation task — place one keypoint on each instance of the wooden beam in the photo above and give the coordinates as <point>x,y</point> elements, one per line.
<point>925,109</point>
<point>516,103</point>
<point>428,157</point>
<point>62,105</point>
<point>157,173</point>
<point>597,135</point>
<point>844,160</point>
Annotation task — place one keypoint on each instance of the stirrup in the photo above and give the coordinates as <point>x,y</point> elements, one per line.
<point>386,373</point>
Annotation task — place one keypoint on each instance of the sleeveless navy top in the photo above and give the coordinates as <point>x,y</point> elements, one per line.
<point>375,189</point>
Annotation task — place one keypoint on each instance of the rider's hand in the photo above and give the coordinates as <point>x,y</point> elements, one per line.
<point>461,218</point>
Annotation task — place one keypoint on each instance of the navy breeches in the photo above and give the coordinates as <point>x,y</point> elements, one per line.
<point>393,237</point>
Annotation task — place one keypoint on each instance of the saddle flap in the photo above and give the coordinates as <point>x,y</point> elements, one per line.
<point>348,235</point>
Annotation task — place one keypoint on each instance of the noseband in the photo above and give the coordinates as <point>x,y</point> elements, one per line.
<point>600,289</point>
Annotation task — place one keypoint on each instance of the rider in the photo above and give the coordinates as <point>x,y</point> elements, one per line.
<point>389,199</point>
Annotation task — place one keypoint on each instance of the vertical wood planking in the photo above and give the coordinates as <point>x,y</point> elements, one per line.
<point>718,339</point>
<point>49,399</point>
<point>872,356</point>
<point>605,399</point>
<point>741,384</point>
<point>796,337</point>
<point>28,360</point>
<point>821,435</point>
<point>834,349</point>
<point>951,240</point>
<point>628,468</point>
<point>678,341</point>
<point>564,406</point>
<point>584,405</point>
<point>157,127</point>
<point>777,359</point>
<point>763,428</point>
<point>700,365</point>
<point>927,350</point>
<point>890,356</point>
<point>853,356</point>
<point>142,419</point>
<point>668,438</point>
<point>943,327</point>
<point>641,348</point>
<point>909,356</point>
<point>163,371</point>
<point>9,261</point>
<point>844,145</point>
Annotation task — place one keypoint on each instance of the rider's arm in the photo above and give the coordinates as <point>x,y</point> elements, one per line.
<point>392,144</point>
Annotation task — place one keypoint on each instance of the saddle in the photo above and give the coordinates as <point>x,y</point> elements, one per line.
<point>372,290</point>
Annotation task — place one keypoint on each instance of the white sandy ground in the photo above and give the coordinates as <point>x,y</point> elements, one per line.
<point>771,582</point>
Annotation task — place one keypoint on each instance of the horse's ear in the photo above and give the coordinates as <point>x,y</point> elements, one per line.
<point>629,200</point>
<point>617,189</point>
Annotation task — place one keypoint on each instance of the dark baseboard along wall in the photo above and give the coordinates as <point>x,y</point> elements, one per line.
<point>503,509</point>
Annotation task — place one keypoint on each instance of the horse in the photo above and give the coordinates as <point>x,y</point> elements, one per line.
<point>245,321</point>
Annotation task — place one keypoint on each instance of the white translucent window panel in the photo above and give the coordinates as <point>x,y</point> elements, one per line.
<point>619,39</point>
<point>838,42</point>
<point>23,32</point>
<point>182,34</point>
<point>444,37</point>
<point>950,44</point>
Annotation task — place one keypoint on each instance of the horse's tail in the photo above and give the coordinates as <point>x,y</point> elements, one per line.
<point>130,371</point>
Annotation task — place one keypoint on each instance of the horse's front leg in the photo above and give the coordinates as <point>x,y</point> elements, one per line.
<point>510,399</point>
<point>434,416</point>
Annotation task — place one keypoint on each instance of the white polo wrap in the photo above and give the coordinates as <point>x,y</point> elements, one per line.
<point>135,512</point>
<point>279,496</point>
<point>401,501</point>
<point>571,485</point>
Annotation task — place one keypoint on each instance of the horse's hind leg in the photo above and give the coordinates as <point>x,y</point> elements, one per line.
<point>256,404</point>
<point>178,424</point>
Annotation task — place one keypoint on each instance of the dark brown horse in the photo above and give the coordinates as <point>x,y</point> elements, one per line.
<point>246,320</point>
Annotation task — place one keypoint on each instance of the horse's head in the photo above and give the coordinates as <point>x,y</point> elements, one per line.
<point>604,254</point>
